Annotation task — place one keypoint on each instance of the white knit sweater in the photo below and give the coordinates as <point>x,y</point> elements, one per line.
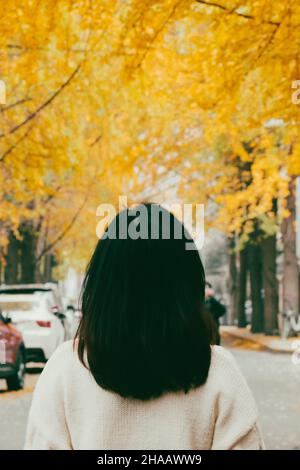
<point>70,411</point>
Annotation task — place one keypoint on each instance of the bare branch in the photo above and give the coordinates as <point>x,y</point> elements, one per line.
<point>236,12</point>
<point>63,233</point>
<point>43,105</point>
<point>13,105</point>
<point>95,141</point>
<point>158,32</point>
<point>19,47</point>
<point>13,146</point>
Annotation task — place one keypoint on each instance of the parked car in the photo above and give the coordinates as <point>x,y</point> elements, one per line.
<point>12,355</point>
<point>51,287</point>
<point>31,288</point>
<point>37,317</point>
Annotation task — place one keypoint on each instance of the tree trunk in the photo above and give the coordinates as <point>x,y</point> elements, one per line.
<point>233,283</point>
<point>48,265</point>
<point>12,260</point>
<point>28,253</point>
<point>242,291</point>
<point>290,266</point>
<point>270,283</point>
<point>255,272</point>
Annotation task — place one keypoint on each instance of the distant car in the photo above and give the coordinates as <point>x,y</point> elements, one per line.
<point>35,315</point>
<point>72,320</point>
<point>32,288</point>
<point>12,355</point>
<point>51,287</point>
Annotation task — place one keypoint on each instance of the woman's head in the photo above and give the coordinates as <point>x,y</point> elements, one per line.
<point>142,331</point>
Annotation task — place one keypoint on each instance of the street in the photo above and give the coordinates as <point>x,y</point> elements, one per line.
<point>273,378</point>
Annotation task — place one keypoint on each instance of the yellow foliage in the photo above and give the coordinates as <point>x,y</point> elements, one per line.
<point>106,98</point>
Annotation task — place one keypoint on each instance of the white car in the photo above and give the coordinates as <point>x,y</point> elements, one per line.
<point>34,315</point>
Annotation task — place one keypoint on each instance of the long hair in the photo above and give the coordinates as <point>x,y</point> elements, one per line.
<point>142,332</point>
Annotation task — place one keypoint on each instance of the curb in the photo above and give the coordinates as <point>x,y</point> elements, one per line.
<point>286,349</point>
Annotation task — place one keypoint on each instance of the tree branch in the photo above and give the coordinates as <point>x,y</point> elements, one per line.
<point>236,12</point>
<point>13,146</point>
<point>63,233</point>
<point>43,105</point>
<point>96,140</point>
<point>157,33</point>
<point>13,105</point>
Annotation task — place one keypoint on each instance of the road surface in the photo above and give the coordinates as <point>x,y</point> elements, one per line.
<point>273,378</point>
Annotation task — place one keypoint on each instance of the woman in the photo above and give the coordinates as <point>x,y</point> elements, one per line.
<point>215,311</point>
<point>141,373</point>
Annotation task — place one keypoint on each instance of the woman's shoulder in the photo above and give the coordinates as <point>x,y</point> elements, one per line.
<point>227,380</point>
<point>65,353</point>
<point>66,348</point>
<point>222,356</point>
<point>61,364</point>
<point>60,372</point>
<point>224,369</point>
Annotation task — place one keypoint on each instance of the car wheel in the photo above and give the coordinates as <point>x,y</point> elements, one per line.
<point>16,381</point>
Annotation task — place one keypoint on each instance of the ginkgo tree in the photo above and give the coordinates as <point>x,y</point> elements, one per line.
<point>107,98</point>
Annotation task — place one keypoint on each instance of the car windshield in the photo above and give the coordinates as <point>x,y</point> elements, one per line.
<point>15,306</point>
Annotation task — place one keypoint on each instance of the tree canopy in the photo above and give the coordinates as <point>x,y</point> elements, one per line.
<point>107,98</point>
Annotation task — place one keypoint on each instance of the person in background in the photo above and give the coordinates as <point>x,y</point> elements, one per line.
<point>141,373</point>
<point>215,310</point>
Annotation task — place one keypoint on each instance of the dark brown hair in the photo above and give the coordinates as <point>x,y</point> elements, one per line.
<point>142,331</point>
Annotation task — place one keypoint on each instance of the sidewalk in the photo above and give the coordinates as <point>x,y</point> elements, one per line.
<point>270,343</point>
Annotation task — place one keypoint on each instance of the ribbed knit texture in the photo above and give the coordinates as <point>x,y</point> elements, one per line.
<point>70,411</point>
